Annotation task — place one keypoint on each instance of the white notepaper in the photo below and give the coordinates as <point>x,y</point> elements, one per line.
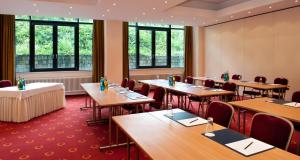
<point>187,122</point>
<point>256,147</point>
<point>293,104</point>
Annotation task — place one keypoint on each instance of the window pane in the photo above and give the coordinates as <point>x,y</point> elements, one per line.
<point>85,20</point>
<point>85,46</point>
<point>132,23</point>
<point>65,46</point>
<point>177,26</point>
<point>177,48</point>
<point>145,48</point>
<point>43,47</point>
<point>153,25</point>
<point>53,18</point>
<point>22,17</point>
<point>22,46</point>
<point>161,48</point>
<point>132,47</point>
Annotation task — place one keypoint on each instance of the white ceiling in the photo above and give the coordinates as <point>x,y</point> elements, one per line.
<point>157,11</point>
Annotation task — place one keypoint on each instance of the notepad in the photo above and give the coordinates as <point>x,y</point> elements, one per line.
<point>192,121</point>
<point>292,104</point>
<point>197,86</point>
<point>255,147</point>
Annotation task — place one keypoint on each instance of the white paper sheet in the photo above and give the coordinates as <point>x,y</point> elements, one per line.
<point>256,147</point>
<point>293,104</point>
<point>188,122</point>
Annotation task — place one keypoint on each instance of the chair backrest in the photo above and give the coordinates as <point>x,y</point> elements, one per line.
<point>189,80</point>
<point>131,84</point>
<point>260,79</point>
<point>296,97</point>
<point>222,76</point>
<point>5,83</point>
<point>228,86</point>
<point>221,113</point>
<point>271,129</point>
<point>124,82</point>
<point>145,89</point>
<point>209,83</point>
<point>177,78</point>
<point>282,81</point>
<point>159,94</point>
<point>236,77</point>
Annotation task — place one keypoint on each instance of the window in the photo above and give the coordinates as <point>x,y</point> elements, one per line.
<point>53,44</point>
<point>155,46</point>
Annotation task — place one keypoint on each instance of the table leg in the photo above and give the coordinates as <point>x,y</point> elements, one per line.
<point>94,120</point>
<point>128,148</point>
<point>109,125</point>
<point>239,118</point>
<point>85,104</point>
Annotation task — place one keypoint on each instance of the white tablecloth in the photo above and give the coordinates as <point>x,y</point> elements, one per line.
<point>38,99</point>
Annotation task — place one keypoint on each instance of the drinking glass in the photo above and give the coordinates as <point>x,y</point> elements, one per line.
<point>209,127</point>
<point>170,107</point>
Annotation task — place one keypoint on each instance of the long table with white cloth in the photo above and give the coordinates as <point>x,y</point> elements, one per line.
<point>36,100</point>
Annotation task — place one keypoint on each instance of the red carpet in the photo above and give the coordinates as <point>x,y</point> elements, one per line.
<point>64,135</point>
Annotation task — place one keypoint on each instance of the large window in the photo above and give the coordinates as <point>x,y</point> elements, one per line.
<point>53,44</point>
<point>155,46</point>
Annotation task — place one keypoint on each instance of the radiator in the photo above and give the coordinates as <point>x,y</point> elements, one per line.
<point>72,85</point>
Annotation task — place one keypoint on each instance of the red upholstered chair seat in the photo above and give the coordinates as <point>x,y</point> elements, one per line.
<point>221,113</point>
<point>272,130</point>
<point>5,83</point>
<point>131,84</point>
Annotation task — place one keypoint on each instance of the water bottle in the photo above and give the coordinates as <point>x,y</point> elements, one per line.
<point>102,84</point>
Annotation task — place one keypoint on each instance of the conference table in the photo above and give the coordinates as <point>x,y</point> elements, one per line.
<point>162,138</point>
<point>112,98</point>
<point>266,87</point>
<point>186,88</point>
<point>37,99</point>
<point>269,105</point>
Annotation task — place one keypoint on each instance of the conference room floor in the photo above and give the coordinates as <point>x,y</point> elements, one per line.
<point>64,134</point>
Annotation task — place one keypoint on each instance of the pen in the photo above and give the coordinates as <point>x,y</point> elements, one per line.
<point>194,120</point>
<point>248,145</point>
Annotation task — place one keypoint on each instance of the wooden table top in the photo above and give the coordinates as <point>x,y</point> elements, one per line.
<point>261,105</point>
<point>186,88</point>
<point>162,138</point>
<point>111,97</point>
<point>255,85</point>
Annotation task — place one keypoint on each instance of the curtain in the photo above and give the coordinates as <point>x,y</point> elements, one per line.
<point>98,50</point>
<point>125,51</point>
<point>188,65</point>
<point>7,48</point>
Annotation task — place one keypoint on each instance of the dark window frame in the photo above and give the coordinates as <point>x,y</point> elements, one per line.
<point>54,24</point>
<point>153,29</point>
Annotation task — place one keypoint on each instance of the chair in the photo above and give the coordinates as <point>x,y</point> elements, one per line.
<point>229,86</point>
<point>280,93</point>
<point>236,77</point>
<point>189,80</point>
<point>219,85</point>
<point>221,113</point>
<point>207,83</point>
<point>144,91</point>
<point>271,129</point>
<point>5,83</point>
<point>179,95</point>
<point>254,93</point>
<point>296,97</point>
<point>158,96</point>
<point>131,84</point>
<point>124,82</point>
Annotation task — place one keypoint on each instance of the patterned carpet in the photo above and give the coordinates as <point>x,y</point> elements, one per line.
<point>64,135</point>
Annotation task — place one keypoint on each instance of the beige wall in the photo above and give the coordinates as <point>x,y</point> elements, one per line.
<point>266,45</point>
<point>113,51</point>
<point>198,51</point>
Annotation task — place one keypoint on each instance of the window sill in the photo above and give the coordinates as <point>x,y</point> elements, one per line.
<point>54,74</point>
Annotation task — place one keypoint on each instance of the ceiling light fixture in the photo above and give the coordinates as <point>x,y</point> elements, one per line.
<point>172,16</point>
<point>114,4</point>
<point>154,8</point>
<point>249,12</point>
<point>296,1</point>
<point>70,7</point>
<point>270,7</point>
<point>103,15</point>
<point>143,13</point>
<point>107,10</point>
<point>231,16</point>
<point>217,20</point>
<point>34,4</point>
<point>166,2</point>
<point>37,11</point>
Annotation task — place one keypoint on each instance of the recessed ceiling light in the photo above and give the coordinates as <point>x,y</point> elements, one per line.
<point>70,7</point>
<point>34,4</point>
<point>172,16</point>
<point>143,13</point>
<point>296,1</point>
<point>114,4</point>
<point>231,16</point>
<point>203,23</point>
<point>37,11</point>
<point>270,7</point>
<point>154,8</point>
<point>107,10</point>
<point>166,2</point>
<point>103,15</point>
<point>217,20</point>
<point>249,12</point>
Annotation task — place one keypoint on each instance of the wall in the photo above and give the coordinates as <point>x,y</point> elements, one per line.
<point>113,51</point>
<point>266,45</point>
<point>198,51</point>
